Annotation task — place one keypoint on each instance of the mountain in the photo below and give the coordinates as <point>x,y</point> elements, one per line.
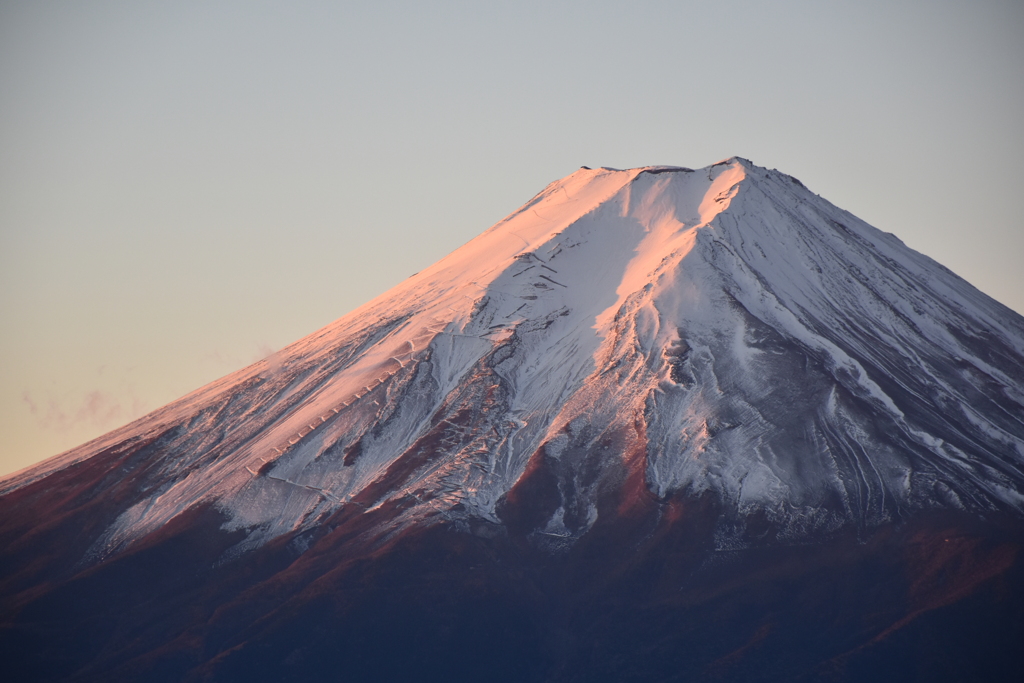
<point>656,424</point>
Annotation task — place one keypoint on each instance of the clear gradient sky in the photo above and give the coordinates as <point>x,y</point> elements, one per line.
<point>186,186</point>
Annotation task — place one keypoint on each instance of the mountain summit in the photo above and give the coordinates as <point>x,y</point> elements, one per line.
<point>626,346</point>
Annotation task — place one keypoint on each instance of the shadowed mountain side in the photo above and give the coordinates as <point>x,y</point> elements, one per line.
<point>643,596</point>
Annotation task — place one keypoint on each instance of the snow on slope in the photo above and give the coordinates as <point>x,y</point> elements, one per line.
<point>744,335</point>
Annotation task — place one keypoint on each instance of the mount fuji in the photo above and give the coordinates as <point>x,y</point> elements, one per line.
<point>656,424</point>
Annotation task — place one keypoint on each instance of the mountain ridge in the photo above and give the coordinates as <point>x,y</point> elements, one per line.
<point>655,424</point>
<point>664,270</point>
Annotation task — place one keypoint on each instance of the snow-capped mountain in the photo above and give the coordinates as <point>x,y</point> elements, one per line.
<point>722,329</point>
<point>626,340</point>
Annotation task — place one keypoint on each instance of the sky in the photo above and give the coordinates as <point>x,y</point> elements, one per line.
<point>186,187</point>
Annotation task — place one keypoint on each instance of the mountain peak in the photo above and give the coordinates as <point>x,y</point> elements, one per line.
<point>701,415</point>
<point>626,335</point>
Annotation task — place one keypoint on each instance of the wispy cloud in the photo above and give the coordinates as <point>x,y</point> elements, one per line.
<point>236,361</point>
<point>96,409</point>
<point>263,350</point>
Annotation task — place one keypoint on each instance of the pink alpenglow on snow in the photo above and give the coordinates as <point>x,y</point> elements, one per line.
<point>698,319</point>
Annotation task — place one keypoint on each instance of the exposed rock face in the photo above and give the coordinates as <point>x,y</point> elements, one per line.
<point>715,370</point>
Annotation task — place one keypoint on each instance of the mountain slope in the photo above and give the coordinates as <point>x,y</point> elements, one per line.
<point>716,358</point>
